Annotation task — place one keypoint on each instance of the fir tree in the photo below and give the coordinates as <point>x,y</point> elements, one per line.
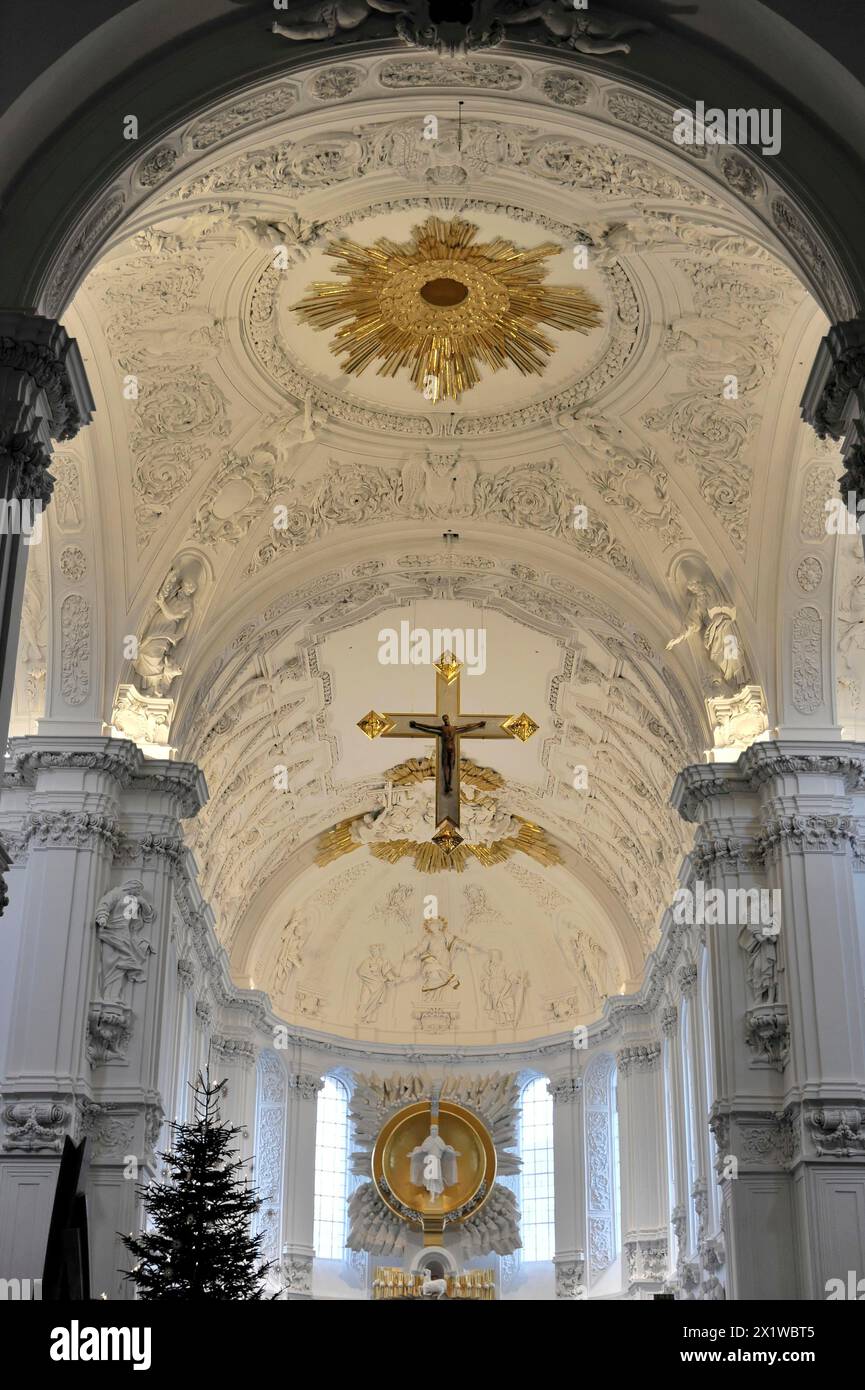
<point>200,1244</point>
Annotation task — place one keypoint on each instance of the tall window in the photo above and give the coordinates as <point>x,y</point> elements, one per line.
<point>331,1170</point>
<point>537,1196</point>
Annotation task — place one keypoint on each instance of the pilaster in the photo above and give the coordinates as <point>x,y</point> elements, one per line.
<point>44,395</point>
<point>568,1149</point>
<point>787,978</point>
<point>298,1251</point>
<point>643,1165</point>
<point>91,1014</point>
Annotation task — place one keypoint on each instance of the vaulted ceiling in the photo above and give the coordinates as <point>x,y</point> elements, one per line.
<point>672,423</point>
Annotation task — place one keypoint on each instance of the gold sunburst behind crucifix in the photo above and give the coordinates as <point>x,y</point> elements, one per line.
<point>442,304</point>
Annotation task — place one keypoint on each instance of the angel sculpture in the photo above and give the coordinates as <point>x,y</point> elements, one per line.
<point>323,19</point>
<point>434,1164</point>
<point>577,31</point>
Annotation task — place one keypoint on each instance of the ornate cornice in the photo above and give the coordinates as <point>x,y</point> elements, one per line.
<point>837,374</point>
<point>117,758</point>
<point>41,349</point>
<point>764,761</point>
<point>697,785</point>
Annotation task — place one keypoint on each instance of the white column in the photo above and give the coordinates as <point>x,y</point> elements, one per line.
<point>88,1026</point>
<point>676,1147</point>
<point>298,1205</point>
<point>645,1218</point>
<point>789,1032</point>
<point>569,1186</point>
<point>44,395</point>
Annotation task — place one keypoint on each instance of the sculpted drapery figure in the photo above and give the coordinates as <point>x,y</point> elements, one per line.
<point>434,1164</point>
<point>155,664</point>
<point>376,975</point>
<point>761,948</point>
<point>436,954</point>
<point>717,624</point>
<point>120,917</point>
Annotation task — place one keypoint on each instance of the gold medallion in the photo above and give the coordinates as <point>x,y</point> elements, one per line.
<point>451,1187</point>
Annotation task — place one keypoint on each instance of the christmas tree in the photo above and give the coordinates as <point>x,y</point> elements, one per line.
<point>200,1243</point>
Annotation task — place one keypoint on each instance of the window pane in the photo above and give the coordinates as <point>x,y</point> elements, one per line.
<point>536,1180</point>
<point>331,1170</point>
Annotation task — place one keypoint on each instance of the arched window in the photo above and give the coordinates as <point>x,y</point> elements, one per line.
<point>537,1194</point>
<point>331,1170</point>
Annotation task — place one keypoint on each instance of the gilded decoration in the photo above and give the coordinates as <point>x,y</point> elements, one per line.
<point>441,305</point>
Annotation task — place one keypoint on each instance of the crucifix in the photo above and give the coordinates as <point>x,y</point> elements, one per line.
<point>445,727</point>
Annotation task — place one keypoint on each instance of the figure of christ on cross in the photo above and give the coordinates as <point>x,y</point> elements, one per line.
<point>447,732</point>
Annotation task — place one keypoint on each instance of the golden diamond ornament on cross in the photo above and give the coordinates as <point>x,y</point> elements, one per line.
<point>445,728</point>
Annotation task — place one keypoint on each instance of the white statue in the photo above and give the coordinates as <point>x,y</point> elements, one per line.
<point>289,958</point>
<point>578,31</point>
<point>504,990</point>
<point>120,916</point>
<point>323,19</point>
<point>436,954</point>
<point>433,1163</point>
<point>155,664</point>
<point>761,948</point>
<point>718,627</point>
<point>433,1288</point>
<point>376,976</point>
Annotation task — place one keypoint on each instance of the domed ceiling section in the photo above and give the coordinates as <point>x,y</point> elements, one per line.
<point>263,515</point>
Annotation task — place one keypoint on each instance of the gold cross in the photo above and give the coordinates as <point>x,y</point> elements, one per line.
<point>447,733</point>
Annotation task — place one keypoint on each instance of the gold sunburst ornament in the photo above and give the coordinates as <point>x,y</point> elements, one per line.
<point>441,304</point>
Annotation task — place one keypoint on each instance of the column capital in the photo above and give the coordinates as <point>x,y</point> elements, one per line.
<point>642,1057</point>
<point>565,1089</point>
<point>305,1084</point>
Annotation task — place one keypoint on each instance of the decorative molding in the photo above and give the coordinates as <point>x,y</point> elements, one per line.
<point>565,1090</point>
<point>643,1057</point>
<point>767,1033</point>
<point>231,1050</point>
<point>804,834</point>
<point>687,978</point>
<point>75,649</point>
<point>35,1126</point>
<point>51,829</point>
<point>645,1261</point>
<point>806,656</point>
<point>306,1085</point>
<point>534,496</point>
<point>570,1273</point>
